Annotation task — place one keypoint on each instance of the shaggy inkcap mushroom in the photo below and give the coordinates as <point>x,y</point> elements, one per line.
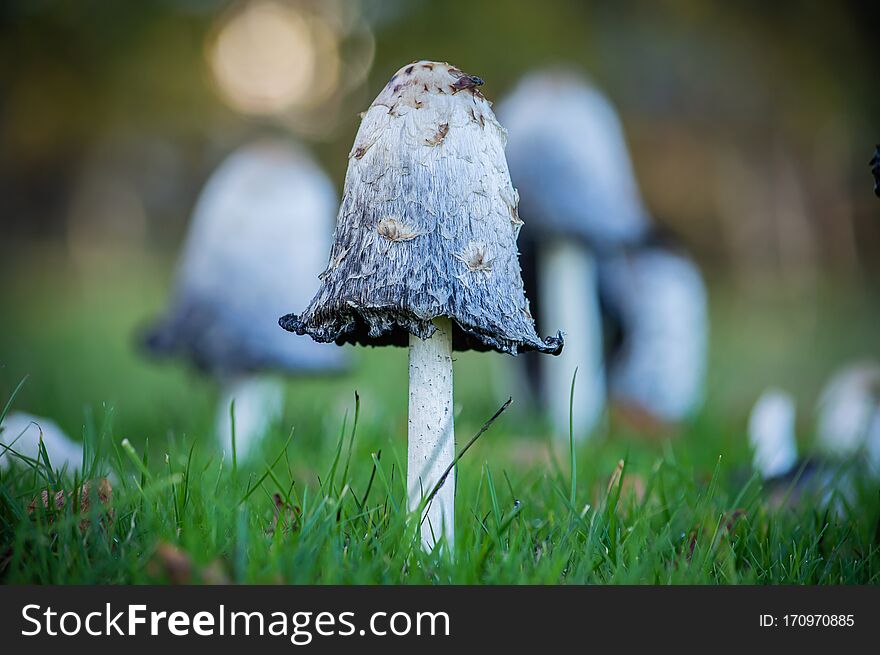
<point>428,225</point>
<point>787,479</point>
<point>655,296</point>
<point>237,269</point>
<point>569,159</point>
<point>772,434</point>
<point>258,238</point>
<point>580,201</point>
<point>848,416</point>
<point>425,255</point>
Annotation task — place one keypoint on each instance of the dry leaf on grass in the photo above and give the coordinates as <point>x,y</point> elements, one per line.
<point>102,489</point>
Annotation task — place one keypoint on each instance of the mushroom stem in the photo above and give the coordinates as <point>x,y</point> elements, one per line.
<point>772,434</point>
<point>569,297</point>
<point>431,433</point>
<point>259,401</point>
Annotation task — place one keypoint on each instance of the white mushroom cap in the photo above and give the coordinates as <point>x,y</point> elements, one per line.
<point>848,413</point>
<point>569,160</point>
<point>658,297</point>
<point>258,239</point>
<point>772,434</point>
<point>22,432</point>
<point>428,225</point>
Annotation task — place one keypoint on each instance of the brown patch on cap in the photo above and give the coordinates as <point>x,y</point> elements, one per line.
<point>477,118</point>
<point>437,139</point>
<point>514,215</point>
<point>476,258</point>
<point>394,230</point>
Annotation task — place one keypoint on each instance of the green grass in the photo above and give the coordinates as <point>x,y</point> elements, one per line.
<point>324,501</point>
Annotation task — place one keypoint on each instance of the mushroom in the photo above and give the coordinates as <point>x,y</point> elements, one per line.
<point>848,416</point>
<point>425,256</point>
<point>20,434</point>
<point>655,298</point>
<point>257,238</point>
<point>772,434</point>
<point>568,157</point>
<point>790,480</point>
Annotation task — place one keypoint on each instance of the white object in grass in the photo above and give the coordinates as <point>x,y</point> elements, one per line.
<point>772,433</point>
<point>658,296</point>
<point>21,433</point>
<point>258,239</point>
<point>567,288</point>
<point>259,402</point>
<point>848,415</point>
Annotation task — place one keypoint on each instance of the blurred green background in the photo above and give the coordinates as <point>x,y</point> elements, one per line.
<point>750,126</point>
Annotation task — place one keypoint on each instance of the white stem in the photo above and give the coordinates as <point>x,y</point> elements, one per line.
<point>570,302</point>
<point>431,433</point>
<point>259,401</point>
<point>772,433</point>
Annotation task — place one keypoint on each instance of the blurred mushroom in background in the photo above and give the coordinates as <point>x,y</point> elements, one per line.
<point>772,435</point>
<point>579,199</point>
<point>788,479</point>
<point>258,239</point>
<point>655,302</point>
<point>848,416</point>
<point>20,435</point>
